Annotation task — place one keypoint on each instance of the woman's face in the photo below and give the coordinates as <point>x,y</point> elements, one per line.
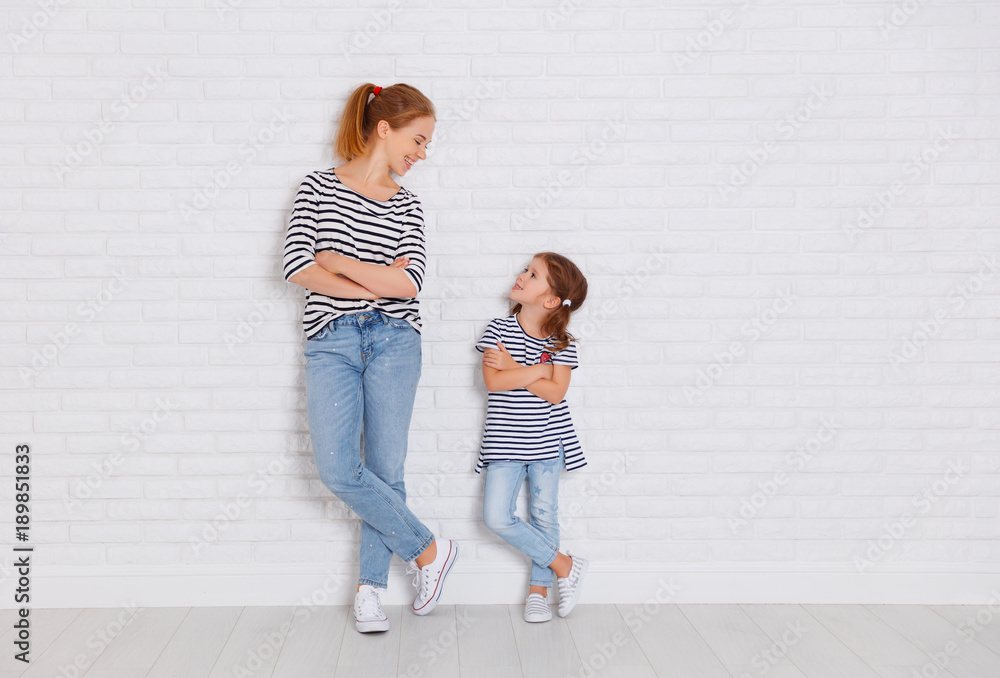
<point>405,146</point>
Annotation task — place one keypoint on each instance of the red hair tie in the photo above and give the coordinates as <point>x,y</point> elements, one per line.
<point>377,90</point>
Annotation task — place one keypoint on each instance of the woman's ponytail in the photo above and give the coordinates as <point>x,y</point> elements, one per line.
<point>397,104</point>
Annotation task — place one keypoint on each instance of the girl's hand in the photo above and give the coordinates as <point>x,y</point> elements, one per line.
<point>402,262</point>
<point>499,358</point>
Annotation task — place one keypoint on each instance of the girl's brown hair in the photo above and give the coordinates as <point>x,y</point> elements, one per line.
<point>566,282</point>
<point>396,104</point>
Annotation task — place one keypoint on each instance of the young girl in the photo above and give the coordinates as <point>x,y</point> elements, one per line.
<point>527,359</point>
<point>355,240</point>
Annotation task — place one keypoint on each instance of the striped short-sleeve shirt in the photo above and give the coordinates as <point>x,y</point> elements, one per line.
<point>329,216</point>
<point>521,426</point>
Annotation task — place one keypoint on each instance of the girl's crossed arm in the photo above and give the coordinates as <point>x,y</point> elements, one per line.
<point>553,388</point>
<point>506,373</point>
<point>502,373</point>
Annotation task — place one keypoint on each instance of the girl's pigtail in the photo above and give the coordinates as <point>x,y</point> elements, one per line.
<point>568,283</point>
<point>556,326</point>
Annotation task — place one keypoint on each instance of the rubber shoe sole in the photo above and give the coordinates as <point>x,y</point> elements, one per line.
<point>372,626</point>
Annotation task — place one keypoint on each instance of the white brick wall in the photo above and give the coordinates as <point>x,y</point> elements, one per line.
<point>769,202</point>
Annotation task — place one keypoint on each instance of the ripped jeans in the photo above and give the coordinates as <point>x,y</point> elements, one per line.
<point>539,538</point>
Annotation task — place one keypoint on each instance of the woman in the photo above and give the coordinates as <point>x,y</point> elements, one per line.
<point>355,240</point>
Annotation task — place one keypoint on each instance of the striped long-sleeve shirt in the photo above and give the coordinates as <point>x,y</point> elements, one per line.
<point>328,215</point>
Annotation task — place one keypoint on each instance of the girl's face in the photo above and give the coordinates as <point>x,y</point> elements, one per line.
<point>404,147</point>
<point>532,286</point>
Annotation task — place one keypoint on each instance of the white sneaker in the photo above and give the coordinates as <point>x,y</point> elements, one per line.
<point>368,615</point>
<point>569,587</point>
<point>536,608</point>
<point>429,579</point>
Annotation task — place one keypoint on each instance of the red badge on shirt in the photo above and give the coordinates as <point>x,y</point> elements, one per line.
<point>545,357</point>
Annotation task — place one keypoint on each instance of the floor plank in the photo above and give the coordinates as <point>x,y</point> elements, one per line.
<point>429,644</point>
<point>980,622</point>
<point>547,649</point>
<point>312,647</point>
<point>602,637</point>
<point>946,645</point>
<point>141,641</point>
<point>741,645</point>
<point>807,643</point>
<point>624,672</point>
<point>197,643</point>
<point>493,641</point>
<point>874,641</point>
<point>253,646</point>
<point>76,638</point>
<point>489,643</point>
<point>374,655</point>
<point>487,672</point>
<point>670,643</point>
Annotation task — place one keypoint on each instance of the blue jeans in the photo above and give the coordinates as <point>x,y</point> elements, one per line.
<point>539,539</point>
<point>362,371</point>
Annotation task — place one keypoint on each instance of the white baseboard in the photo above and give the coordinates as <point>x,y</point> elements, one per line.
<point>473,583</point>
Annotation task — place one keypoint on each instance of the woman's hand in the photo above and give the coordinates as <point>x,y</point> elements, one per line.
<point>499,358</point>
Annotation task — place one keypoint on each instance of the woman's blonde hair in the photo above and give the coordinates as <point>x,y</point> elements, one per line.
<point>397,104</point>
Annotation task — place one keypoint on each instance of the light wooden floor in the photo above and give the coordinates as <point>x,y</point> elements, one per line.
<point>487,641</point>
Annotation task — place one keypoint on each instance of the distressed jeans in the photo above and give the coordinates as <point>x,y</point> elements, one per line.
<point>362,371</point>
<point>539,538</point>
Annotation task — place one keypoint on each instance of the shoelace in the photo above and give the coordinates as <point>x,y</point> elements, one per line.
<point>369,604</point>
<point>421,579</point>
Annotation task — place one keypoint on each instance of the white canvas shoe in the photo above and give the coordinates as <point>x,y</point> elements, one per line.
<point>536,608</point>
<point>429,579</point>
<point>368,615</point>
